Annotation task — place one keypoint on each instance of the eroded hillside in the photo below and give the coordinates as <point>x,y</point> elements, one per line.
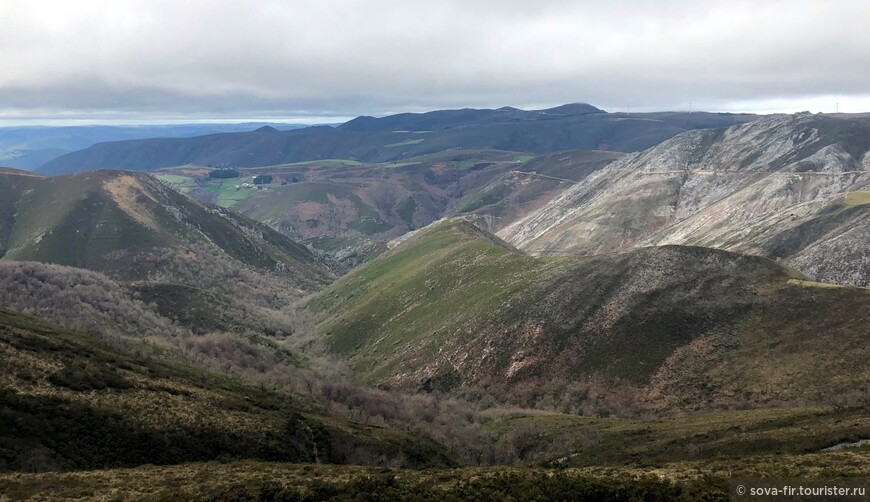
<point>790,187</point>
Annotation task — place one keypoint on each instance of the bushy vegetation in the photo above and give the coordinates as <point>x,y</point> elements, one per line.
<point>70,402</point>
<point>508,486</point>
<point>79,299</point>
<point>223,173</point>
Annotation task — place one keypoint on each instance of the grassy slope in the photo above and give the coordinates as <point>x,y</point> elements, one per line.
<point>723,436</point>
<point>690,327</point>
<point>13,184</point>
<point>101,219</point>
<point>71,402</point>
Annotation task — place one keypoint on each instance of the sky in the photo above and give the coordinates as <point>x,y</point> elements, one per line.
<point>320,61</point>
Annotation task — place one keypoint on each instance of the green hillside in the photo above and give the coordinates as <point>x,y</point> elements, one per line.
<point>70,402</point>
<point>109,220</point>
<point>13,183</point>
<point>669,327</point>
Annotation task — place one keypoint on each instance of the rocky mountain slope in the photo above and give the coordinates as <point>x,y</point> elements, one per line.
<point>368,139</point>
<point>671,327</point>
<point>793,187</point>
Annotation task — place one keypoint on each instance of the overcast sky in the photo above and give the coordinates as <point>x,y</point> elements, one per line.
<point>322,60</point>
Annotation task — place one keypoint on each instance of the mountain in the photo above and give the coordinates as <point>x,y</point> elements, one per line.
<point>28,147</point>
<point>454,308</point>
<point>369,139</point>
<point>127,224</point>
<point>71,402</point>
<point>349,210</point>
<point>448,119</point>
<point>168,266</point>
<point>791,187</point>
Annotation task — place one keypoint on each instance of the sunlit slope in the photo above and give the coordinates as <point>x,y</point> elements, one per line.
<point>683,327</point>
<point>124,223</point>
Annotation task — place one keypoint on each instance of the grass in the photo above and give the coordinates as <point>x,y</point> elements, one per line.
<point>174,179</point>
<point>225,192</point>
<point>405,143</point>
<point>70,402</point>
<point>314,163</point>
<point>814,284</point>
<point>695,327</point>
<point>718,436</point>
<point>858,198</point>
<point>209,480</point>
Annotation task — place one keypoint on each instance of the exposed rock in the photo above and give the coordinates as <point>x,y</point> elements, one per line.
<point>774,187</point>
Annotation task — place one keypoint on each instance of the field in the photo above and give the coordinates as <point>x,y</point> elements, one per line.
<point>858,198</point>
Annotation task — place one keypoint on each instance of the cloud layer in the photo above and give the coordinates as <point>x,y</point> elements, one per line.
<point>269,58</point>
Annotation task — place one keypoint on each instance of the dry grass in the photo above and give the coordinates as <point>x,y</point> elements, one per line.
<point>198,481</point>
<point>859,198</point>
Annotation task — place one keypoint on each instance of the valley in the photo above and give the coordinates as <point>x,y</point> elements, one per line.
<point>414,306</point>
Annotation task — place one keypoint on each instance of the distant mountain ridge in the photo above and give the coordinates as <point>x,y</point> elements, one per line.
<point>369,139</point>
<point>28,147</point>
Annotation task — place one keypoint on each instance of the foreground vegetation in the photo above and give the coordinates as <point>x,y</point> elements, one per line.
<point>252,480</point>
<point>71,402</point>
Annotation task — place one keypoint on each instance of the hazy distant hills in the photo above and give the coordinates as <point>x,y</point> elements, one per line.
<point>28,147</point>
<point>455,308</point>
<point>569,127</point>
<point>795,187</point>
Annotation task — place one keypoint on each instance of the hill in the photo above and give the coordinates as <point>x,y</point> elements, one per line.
<point>348,210</point>
<point>786,187</point>
<point>369,139</point>
<point>28,147</point>
<point>128,224</point>
<point>454,308</point>
<point>160,266</point>
<point>70,402</point>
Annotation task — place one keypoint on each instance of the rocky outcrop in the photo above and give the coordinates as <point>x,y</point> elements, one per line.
<point>775,187</point>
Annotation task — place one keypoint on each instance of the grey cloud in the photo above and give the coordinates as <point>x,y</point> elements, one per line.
<point>280,58</point>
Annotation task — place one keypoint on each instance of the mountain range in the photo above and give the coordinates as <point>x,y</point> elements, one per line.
<point>369,139</point>
<point>28,147</point>
<point>564,287</point>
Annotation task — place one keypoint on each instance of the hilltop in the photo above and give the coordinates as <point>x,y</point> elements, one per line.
<point>454,308</point>
<point>369,139</point>
<point>791,187</point>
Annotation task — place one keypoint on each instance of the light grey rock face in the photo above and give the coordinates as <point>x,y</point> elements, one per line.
<point>775,187</point>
